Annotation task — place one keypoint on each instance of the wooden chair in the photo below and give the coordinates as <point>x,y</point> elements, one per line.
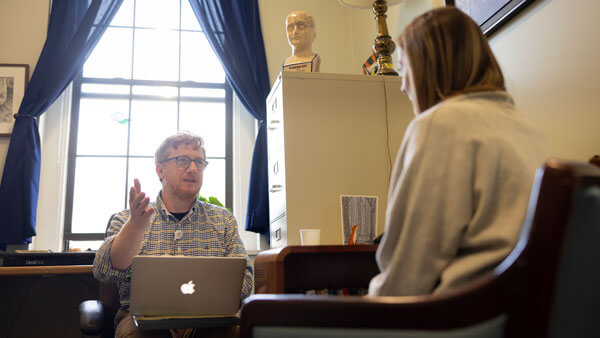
<point>547,286</point>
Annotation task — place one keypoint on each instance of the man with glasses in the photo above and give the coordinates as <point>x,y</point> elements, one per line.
<point>178,223</point>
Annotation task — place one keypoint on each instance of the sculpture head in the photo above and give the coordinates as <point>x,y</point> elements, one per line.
<point>301,31</point>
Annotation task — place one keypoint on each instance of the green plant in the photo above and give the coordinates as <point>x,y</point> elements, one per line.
<point>213,200</point>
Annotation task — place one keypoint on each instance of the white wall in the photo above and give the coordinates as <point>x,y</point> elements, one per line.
<point>54,134</point>
<point>244,135</point>
<point>549,54</point>
<point>23,26</point>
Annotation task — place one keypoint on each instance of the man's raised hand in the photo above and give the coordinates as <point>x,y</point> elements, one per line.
<point>138,205</point>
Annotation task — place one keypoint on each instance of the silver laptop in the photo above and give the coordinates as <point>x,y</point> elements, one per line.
<point>186,285</point>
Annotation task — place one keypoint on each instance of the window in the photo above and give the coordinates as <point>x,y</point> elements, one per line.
<point>152,74</point>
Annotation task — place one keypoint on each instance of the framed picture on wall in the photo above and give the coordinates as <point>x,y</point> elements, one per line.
<point>13,80</point>
<point>490,14</point>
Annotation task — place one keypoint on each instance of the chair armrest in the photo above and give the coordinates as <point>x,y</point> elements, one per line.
<point>415,312</point>
<point>91,317</point>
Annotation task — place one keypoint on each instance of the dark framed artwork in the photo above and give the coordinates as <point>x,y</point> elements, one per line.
<point>13,80</point>
<point>490,14</point>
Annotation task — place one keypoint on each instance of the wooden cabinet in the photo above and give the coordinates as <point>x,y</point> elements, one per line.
<point>296,269</point>
<point>330,135</point>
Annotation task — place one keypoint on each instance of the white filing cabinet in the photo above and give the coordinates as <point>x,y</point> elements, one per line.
<point>330,135</point>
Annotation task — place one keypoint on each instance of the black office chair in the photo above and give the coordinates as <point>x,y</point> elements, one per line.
<point>595,160</point>
<point>96,317</point>
<point>547,286</point>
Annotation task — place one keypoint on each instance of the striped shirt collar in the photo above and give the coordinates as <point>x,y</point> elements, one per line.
<point>164,213</point>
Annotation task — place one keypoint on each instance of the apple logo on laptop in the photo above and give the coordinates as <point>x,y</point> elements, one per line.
<point>188,288</point>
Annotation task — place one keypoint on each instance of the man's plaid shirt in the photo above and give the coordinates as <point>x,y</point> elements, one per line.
<point>208,230</point>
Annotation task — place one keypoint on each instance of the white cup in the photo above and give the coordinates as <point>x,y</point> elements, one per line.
<point>310,236</point>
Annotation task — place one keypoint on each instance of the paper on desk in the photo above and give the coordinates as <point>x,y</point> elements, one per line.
<point>361,211</point>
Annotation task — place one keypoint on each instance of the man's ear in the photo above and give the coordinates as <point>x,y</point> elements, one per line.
<point>159,171</point>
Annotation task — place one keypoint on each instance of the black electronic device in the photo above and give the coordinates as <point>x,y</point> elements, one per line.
<point>47,258</point>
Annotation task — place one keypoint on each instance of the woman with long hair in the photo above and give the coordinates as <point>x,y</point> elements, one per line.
<point>460,186</point>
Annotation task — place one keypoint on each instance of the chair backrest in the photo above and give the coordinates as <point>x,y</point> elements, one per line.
<point>552,265</point>
<point>576,305</point>
<point>562,200</point>
<point>550,270</point>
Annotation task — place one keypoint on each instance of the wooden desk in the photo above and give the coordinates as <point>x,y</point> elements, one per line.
<point>294,269</point>
<point>45,270</point>
<point>43,301</point>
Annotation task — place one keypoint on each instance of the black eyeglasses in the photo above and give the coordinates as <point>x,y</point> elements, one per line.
<point>184,162</point>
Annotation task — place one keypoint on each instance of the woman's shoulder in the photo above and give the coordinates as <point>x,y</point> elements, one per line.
<point>455,109</point>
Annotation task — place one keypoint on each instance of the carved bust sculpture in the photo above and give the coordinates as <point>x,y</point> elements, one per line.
<point>301,32</point>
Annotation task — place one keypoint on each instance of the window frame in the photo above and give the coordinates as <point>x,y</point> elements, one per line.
<point>68,235</point>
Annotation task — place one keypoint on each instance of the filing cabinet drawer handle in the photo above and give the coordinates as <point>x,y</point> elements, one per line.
<point>274,105</point>
<point>274,124</point>
<point>276,188</point>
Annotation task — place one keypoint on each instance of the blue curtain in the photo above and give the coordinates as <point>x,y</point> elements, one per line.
<point>232,28</point>
<point>74,28</point>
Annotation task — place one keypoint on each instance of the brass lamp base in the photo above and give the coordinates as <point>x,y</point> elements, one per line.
<point>383,45</point>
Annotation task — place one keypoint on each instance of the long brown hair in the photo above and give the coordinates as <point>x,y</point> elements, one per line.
<point>448,55</point>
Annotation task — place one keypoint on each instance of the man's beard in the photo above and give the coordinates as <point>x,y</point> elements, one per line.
<point>183,194</point>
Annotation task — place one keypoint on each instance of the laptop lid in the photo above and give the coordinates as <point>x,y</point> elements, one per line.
<point>186,285</point>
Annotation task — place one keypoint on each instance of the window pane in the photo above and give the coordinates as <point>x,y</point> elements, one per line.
<point>166,92</point>
<point>124,16</point>
<point>102,127</point>
<point>206,119</point>
<point>202,92</point>
<point>198,61</point>
<point>151,122</point>
<point>188,18</point>
<point>157,14</point>
<point>118,137</point>
<point>111,57</point>
<point>213,183</point>
<point>156,55</point>
<point>99,192</point>
<point>144,170</point>
<point>85,245</point>
<point>96,88</point>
